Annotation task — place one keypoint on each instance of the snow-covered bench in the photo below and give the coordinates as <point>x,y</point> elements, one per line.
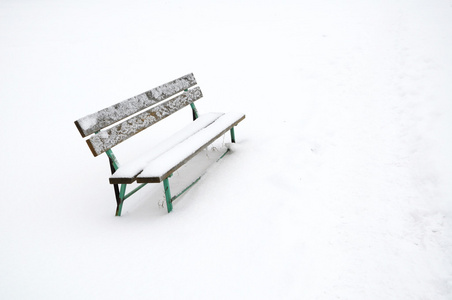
<point>115,124</point>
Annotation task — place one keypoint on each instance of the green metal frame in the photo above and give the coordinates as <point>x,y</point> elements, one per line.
<point>169,204</point>
<point>166,186</point>
<point>169,199</point>
<point>120,192</point>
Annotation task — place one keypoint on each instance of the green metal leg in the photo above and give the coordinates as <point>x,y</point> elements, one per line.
<point>121,200</point>
<point>169,204</point>
<point>195,111</point>
<point>232,135</point>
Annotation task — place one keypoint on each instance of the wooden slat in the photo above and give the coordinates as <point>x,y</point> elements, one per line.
<point>111,137</point>
<point>142,179</point>
<point>115,113</point>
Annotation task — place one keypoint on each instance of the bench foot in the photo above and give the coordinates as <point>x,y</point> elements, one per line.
<point>120,200</point>
<point>118,210</point>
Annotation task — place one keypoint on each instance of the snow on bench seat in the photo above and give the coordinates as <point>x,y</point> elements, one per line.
<point>127,173</point>
<point>165,164</point>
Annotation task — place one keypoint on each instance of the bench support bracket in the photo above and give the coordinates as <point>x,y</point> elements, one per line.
<point>194,110</point>
<point>119,195</point>
<point>169,205</point>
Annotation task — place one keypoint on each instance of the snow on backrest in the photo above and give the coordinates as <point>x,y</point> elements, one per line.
<point>110,115</point>
<point>110,137</point>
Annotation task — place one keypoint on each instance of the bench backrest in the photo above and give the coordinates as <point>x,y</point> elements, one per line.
<point>152,100</point>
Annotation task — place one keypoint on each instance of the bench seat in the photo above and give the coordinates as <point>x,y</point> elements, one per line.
<point>169,155</point>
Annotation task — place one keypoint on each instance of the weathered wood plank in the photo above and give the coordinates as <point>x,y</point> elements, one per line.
<point>115,113</point>
<point>197,143</point>
<point>111,137</point>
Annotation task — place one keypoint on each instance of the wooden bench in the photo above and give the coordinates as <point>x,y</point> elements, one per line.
<point>113,125</point>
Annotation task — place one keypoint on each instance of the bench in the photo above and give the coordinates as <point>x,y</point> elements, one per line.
<point>115,124</point>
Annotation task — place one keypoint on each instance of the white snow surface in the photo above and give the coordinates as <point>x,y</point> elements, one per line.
<point>339,185</point>
<point>137,165</point>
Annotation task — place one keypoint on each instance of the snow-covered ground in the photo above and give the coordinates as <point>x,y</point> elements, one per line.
<point>339,186</point>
